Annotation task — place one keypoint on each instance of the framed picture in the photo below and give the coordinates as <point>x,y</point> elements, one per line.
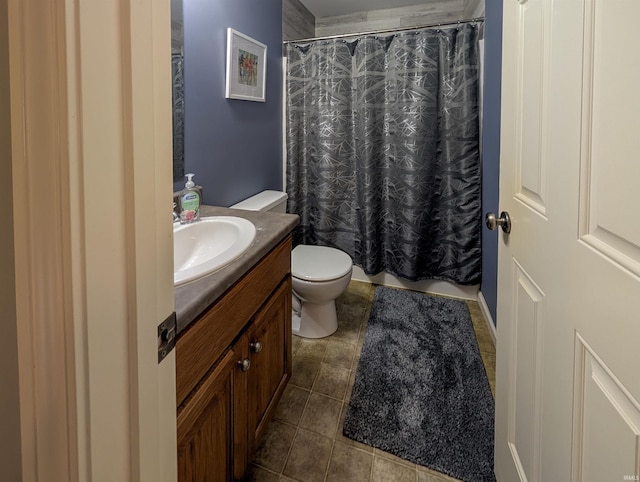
<point>246,67</point>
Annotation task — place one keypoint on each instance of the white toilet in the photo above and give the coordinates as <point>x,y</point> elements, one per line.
<point>319,275</point>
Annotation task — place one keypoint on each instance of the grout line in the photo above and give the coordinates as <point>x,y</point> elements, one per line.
<point>373,464</point>
<point>326,470</point>
<point>297,426</point>
<point>289,453</point>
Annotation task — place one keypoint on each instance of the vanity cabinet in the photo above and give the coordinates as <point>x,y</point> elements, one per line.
<point>232,365</point>
<point>269,343</point>
<point>206,424</point>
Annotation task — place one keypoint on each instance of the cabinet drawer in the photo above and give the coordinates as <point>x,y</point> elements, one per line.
<point>204,342</point>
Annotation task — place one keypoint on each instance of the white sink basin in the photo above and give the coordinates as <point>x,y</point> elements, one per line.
<point>207,245</point>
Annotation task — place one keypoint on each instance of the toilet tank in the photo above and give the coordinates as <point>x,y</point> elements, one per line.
<point>274,201</point>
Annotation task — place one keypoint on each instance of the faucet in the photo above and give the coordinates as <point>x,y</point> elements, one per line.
<point>176,217</point>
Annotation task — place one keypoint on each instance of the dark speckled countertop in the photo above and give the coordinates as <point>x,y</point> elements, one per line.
<point>195,297</point>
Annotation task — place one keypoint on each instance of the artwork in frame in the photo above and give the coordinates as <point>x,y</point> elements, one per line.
<point>246,67</point>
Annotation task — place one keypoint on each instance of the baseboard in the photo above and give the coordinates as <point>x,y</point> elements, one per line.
<point>487,316</point>
<point>436,287</point>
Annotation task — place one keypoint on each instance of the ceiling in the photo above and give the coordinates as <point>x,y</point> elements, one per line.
<point>330,8</point>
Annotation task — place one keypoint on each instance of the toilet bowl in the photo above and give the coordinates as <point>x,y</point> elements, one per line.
<point>319,275</point>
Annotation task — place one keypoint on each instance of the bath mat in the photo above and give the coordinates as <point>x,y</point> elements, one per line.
<point>421,391</point>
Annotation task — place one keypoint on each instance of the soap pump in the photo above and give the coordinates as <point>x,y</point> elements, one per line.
<point>189,202</point>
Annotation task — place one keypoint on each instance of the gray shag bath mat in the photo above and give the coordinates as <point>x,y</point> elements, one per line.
<point>421,391</point>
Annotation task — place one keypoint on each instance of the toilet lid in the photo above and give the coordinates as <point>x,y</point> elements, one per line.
<point>319,263</point>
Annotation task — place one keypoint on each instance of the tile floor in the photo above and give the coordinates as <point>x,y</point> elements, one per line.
<point>304,442</point>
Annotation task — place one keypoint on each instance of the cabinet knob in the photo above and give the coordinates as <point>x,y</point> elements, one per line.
<point>245,364</point>
<point>256,346</point>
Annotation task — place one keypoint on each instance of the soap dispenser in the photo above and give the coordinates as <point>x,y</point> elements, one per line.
<point>189,202</point>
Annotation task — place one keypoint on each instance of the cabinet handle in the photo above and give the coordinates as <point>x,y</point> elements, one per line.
<point>256,346</point>
<point>245,364</point>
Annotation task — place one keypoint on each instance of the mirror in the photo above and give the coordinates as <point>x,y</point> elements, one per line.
<point>177,82</point>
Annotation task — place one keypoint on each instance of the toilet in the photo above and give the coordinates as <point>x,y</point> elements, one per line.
<point>319,275</point>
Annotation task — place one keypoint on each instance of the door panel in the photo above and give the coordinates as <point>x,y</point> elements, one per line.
<point>609,172</point>
<point>530,82</point>
<point>271,365</point>
<point>524,429</point>
<point>206,429</point>
<point>606,433</point>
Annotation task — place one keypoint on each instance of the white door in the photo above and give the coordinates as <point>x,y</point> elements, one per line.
<point>86,145</point>
<point>568,350</point>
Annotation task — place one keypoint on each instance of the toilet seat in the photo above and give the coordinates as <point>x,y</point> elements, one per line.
<point>319,263</point>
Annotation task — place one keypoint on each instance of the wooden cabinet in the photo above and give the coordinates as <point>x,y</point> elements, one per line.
<point>270,370</point>
<point>232,365</point>
<point>207,422</point>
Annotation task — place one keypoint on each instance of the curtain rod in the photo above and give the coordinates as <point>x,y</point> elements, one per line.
<point>376,32</point>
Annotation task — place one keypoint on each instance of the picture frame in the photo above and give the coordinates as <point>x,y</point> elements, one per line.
<point>246,67</point>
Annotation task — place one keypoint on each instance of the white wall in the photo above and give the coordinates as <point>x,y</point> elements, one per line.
<point>297,21</point>
<point>473,8</point>
<point>392,18</point>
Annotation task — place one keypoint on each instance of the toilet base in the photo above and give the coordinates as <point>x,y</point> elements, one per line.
<point>317,320</point>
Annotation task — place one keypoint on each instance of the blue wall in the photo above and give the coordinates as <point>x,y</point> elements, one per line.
<point>234,147</point>
<point>491,147</point>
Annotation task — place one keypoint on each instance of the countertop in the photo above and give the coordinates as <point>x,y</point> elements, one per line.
<point>193,298</point>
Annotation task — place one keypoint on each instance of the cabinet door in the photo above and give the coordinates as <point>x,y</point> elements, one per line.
<point>270,346</point>
<point>207,430</point>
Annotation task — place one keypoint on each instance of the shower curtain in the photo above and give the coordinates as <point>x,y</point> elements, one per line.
<point>383,150</point>
<point>177,74</point>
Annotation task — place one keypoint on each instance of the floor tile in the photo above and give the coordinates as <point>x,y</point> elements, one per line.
<point>349,464</point>
<point>312,348</point>
<point>348,332</point>
<point>353,312</point>
<point>321,415</point>
<point>385,470</point>
<point>304,372</point>
<point>332,381</point>
<point>489,360</point>
<point>393,458</point>
<point>339,437</point>
<point>340,353</point>
<point>356,358</point>
<point>291,405</point>
<point>258,474</point>
<point>275,446</point>
<point>485,342</point>
<point>354,296</point>
<point>352,380</point>
<point>432,477</point>
<point>309,457</point>
<point>295,344</point>
<point>426,474</point>
<point>362,287</point>
<point>490,367</point>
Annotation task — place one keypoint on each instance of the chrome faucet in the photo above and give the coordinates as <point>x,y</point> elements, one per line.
<point>176,217</point>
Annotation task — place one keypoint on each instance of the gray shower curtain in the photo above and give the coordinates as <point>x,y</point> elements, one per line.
<point>177,74</point>
<point>383,150</point>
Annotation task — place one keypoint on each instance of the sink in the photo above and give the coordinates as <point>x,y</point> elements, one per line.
<point>202,247</point>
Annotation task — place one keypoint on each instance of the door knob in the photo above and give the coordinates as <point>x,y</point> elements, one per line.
<point>504,221</point>
<point>256,346</point>
<point>245,364</point>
